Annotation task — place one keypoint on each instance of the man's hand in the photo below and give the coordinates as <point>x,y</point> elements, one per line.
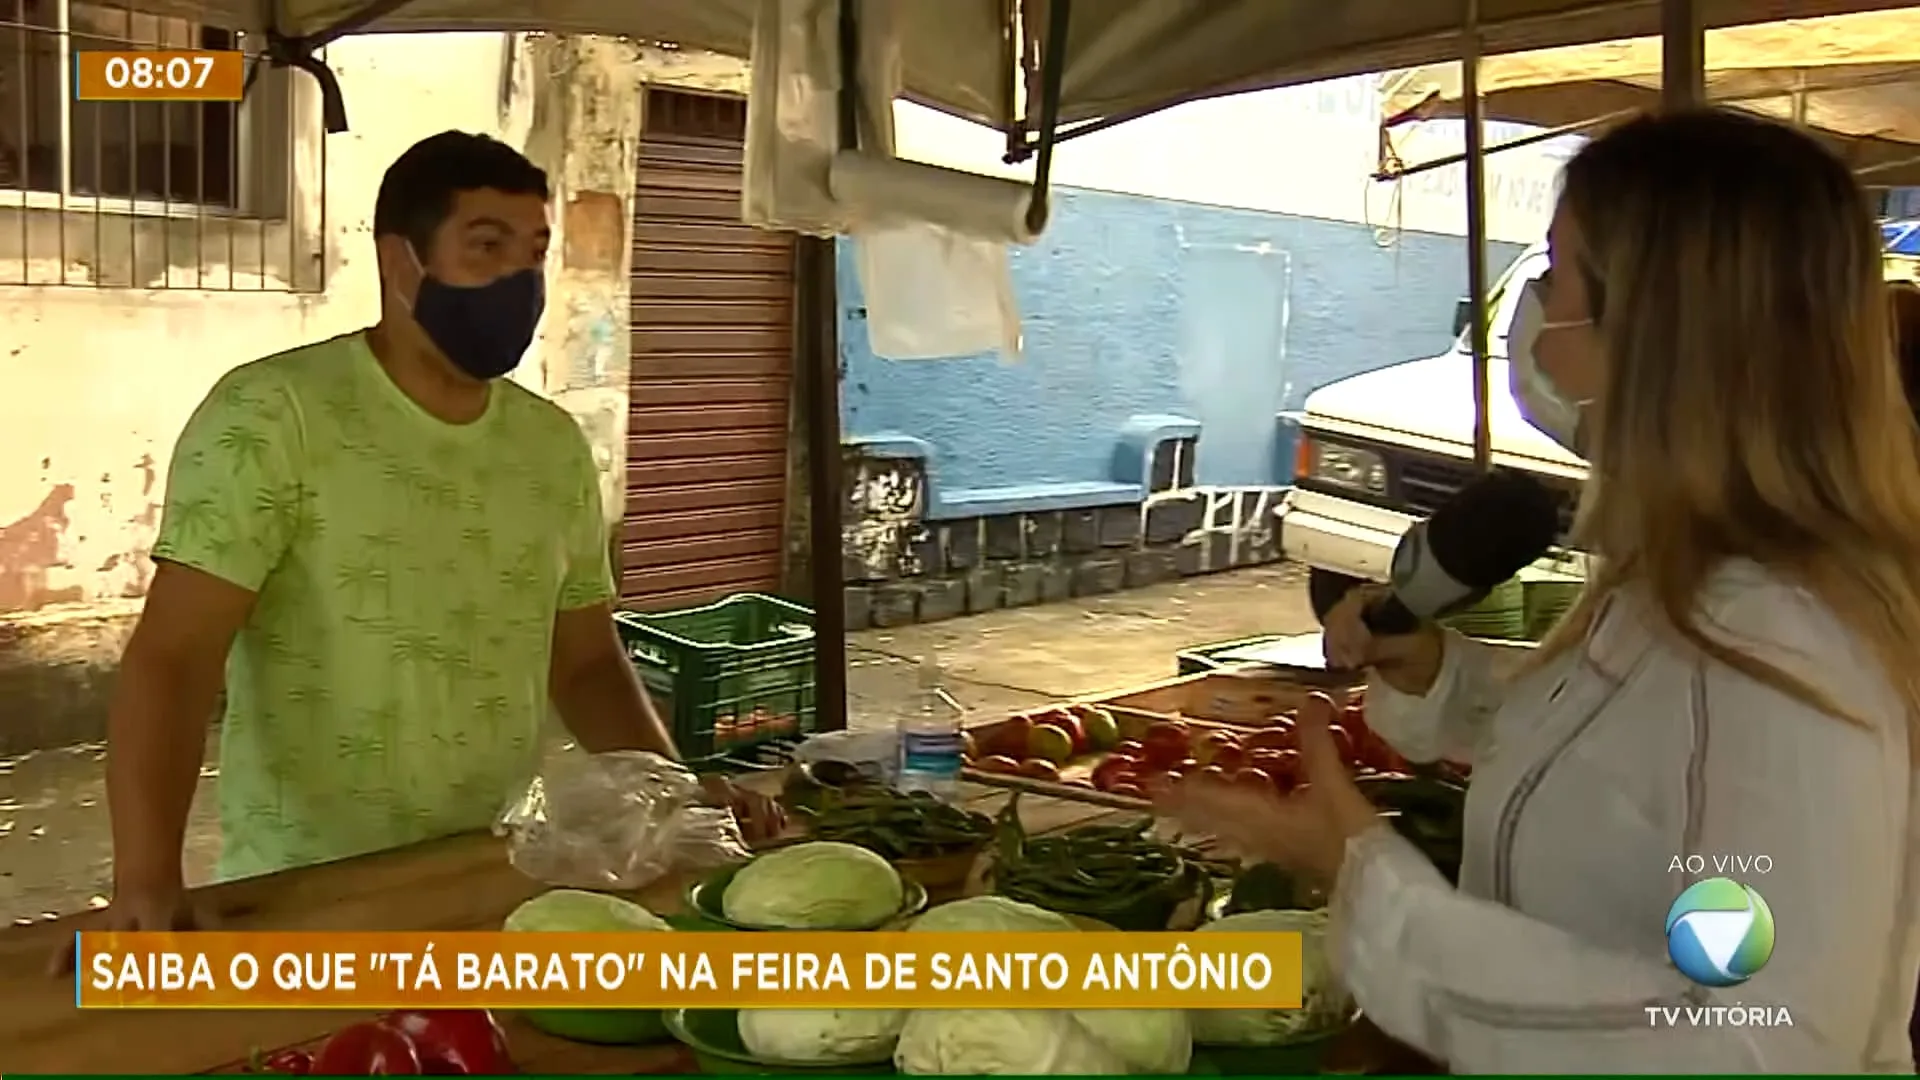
<point>760,816</point>
<point>158,910</point>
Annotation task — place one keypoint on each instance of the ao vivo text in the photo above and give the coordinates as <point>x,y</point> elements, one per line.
<point>1722,865</point>
<point>645,970</point>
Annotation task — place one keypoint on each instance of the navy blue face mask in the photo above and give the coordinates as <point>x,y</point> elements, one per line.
<point>483,329</point>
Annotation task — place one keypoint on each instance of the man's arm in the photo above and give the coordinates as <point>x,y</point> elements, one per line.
<point>169,681</point>
<point>233,504</point>
<point>599,695</point>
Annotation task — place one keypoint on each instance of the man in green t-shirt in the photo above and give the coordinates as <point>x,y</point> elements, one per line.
<point>392,558</point>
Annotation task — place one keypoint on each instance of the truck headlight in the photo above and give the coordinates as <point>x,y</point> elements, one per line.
<point>1344,466</point>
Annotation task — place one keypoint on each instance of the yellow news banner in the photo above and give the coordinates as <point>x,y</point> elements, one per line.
<point>214,970</point>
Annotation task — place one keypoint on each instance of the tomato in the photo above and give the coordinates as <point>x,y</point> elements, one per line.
<point>1215,774</point>
<point>1268,760</point>
<point>1343,742</point>
<point>1373,751</point>
<point>1049,742</point>
<point>998,763</point>
<point>969,746</point>
<point>1230,758</point>
<point>1132,748</point>
<point>1252,779</point>
<point>1008,739</point>
<point>1065,719</point>
<point>1166,743</point>
<point>1278,737</point>
<point>1079,782</point>
<point>455,1042</point>
<point>1129,789</point>
<point>1209,746</point>
<point>1114,766</point>
<point>369,1049</point>
<point>1040,769</point>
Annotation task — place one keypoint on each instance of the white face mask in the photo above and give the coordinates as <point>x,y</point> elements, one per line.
<point>1557,416</point>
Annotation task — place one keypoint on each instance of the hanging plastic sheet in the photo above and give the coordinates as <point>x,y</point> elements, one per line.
<point>930,244</point>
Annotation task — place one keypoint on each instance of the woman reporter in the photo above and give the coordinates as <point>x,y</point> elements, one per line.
<point>1739,678</point>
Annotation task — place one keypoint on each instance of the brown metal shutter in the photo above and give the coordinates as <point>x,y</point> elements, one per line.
<point>712,364</point>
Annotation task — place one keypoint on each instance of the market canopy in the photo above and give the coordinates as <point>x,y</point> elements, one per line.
<point>1853,79</point>
<point>1123,56</point>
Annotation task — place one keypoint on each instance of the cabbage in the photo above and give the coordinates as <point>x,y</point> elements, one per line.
<point>990,913</point>
<point>1323,1002</point>
<point>1002,1042</point>
<point>1158,1042</point>
<point>817,886</point>
<point>1093,1042</point>
<point>821,1036</point>
<point>575,911</point>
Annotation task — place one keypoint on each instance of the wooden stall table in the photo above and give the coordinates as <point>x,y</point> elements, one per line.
<point>461,883</point>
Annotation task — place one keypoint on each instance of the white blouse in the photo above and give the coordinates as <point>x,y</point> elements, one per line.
<point>1591,775</point>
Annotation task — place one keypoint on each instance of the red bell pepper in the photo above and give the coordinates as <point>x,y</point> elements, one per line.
<point>455,1042</point>
<point>289,1062</point>
<point>367,1049</point>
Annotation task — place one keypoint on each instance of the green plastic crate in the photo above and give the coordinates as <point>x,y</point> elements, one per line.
<point>727,676</point>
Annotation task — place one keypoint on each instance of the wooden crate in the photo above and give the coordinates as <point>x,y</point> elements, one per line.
<point>1075,775</point>
<point>1243,697</point>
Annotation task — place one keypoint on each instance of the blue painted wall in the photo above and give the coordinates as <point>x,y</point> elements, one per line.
<point>1138,305</point>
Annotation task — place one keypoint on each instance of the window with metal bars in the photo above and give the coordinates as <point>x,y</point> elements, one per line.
<point>149,194</point>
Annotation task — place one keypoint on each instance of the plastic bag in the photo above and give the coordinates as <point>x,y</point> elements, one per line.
<point>620,820</point>
<point>932,292</point>
<point>874,752</point>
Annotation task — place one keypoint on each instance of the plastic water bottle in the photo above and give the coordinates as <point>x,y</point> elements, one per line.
<point>930,739</point>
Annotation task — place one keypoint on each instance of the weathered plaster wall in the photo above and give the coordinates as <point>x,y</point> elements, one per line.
<point>585,130</point>
<point>98,382</point>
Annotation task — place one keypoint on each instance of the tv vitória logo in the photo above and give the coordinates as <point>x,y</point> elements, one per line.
<point>1719,932</point>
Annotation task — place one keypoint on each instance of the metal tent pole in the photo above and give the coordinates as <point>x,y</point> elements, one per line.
<point>1476,162</point>
<point>817,363</point>
<point>1683,55</point>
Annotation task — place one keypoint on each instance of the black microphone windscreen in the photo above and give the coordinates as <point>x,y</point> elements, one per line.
<point>1493,528</point>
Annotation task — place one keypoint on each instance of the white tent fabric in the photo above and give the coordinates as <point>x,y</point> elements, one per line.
<point>1123,56</point>
<point>1854,79</point>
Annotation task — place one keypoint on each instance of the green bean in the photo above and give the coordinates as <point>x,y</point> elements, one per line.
<point>898,825</point>
<point>1093,869</point>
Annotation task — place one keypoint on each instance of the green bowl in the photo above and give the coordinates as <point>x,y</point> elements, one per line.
<point>704,900</point>
<point>600,1027</point>
<point>714,1037</point>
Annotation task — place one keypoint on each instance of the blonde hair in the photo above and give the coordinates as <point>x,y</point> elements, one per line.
<point>1752,406</point>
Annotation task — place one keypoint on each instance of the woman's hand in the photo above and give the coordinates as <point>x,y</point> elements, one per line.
<point>1407,662</point>
<point>1305,833</point>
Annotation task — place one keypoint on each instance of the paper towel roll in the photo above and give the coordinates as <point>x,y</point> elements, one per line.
<point>885,191</point>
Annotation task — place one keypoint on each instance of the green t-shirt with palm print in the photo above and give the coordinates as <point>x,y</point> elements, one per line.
<point>390,685</point>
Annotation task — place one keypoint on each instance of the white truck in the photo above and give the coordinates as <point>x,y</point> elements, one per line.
<point>1382,450</point>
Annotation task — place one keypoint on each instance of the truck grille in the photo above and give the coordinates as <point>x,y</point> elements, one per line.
<point>1422,483</point>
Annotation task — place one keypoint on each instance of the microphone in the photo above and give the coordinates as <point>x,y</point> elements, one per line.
<point>1489,531</point>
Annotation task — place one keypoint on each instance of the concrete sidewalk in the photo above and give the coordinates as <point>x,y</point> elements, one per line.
<point>55,852</point>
